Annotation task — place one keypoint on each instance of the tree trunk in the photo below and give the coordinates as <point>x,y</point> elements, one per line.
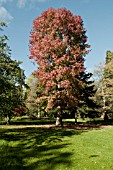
<point>75,118</point>
<point>105,116</point>
<point>7,120</point>
<point>59,120</point>
<point>39,115</point>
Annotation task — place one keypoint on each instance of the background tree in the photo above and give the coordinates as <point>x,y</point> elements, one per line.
<point>58,45</point>
<point>87,105</point>
<point>98,77</point>
<point>104,83</point>
<point>31,96</point>
<point>12,79</point>
<point>109,56</point>
<point>36,110</point>
<point>108,82</point>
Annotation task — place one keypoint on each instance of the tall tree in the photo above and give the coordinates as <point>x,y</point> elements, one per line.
<point>104,83</point>
<point>108,83</point>
<point>12,79</point>
<point>58,45</point>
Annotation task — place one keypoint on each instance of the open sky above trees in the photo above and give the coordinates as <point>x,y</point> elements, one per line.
<point>97,17</point>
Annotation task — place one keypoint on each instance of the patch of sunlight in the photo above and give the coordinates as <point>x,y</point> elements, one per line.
<point>3,142</point>
<point>30,161</point>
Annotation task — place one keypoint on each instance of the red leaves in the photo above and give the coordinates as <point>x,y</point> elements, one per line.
<point>58,45</point>
<point>20,111</point>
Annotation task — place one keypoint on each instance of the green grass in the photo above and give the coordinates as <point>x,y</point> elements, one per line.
<point>25,120</point>
<point>34,148</point>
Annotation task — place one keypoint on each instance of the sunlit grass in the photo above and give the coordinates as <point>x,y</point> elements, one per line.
<point>55,149</point>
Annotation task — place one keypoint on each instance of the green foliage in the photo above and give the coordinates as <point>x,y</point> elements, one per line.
<point>98,76</point>
<point>12,79</point>
<point>108,85</point>
<point>35,108</point>
<point>104,84</point>
<point>109,56</point>
<point>87,105</point>
<point>31,95</point>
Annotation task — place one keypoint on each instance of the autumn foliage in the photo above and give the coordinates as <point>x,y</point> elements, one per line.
<point>58,45</point>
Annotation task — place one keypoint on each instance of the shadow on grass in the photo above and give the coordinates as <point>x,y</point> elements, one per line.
<point>28,121</point>
<point>101,122</point>
<point>35,148</point>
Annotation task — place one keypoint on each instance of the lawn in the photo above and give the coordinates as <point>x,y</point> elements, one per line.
<point>37,148</point>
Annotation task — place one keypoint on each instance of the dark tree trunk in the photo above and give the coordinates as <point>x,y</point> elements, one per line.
<point>105,117</point>
<point>75,117</point>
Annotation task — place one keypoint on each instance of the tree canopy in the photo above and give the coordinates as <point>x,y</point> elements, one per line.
<point>12,79</point>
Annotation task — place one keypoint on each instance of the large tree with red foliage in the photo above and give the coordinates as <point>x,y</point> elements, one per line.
<point>58,45</point>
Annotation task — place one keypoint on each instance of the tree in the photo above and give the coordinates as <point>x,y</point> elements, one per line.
<point>109,56</point>
<point>104,83</point>
<point>98,77</point>
<point>108,82</point>
<point>12,79</point>
<point>35,109</point>
<point>31,95</point>
<point>58,45</point>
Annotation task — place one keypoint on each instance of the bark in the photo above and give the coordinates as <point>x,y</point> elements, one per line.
<point>59,120</point>
<point>39,115</point>
<point>105,116</point>
<point>7,120</point>
<point>75,118</point>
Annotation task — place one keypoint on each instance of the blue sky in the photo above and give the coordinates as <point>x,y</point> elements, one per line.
<point>97,16</point>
